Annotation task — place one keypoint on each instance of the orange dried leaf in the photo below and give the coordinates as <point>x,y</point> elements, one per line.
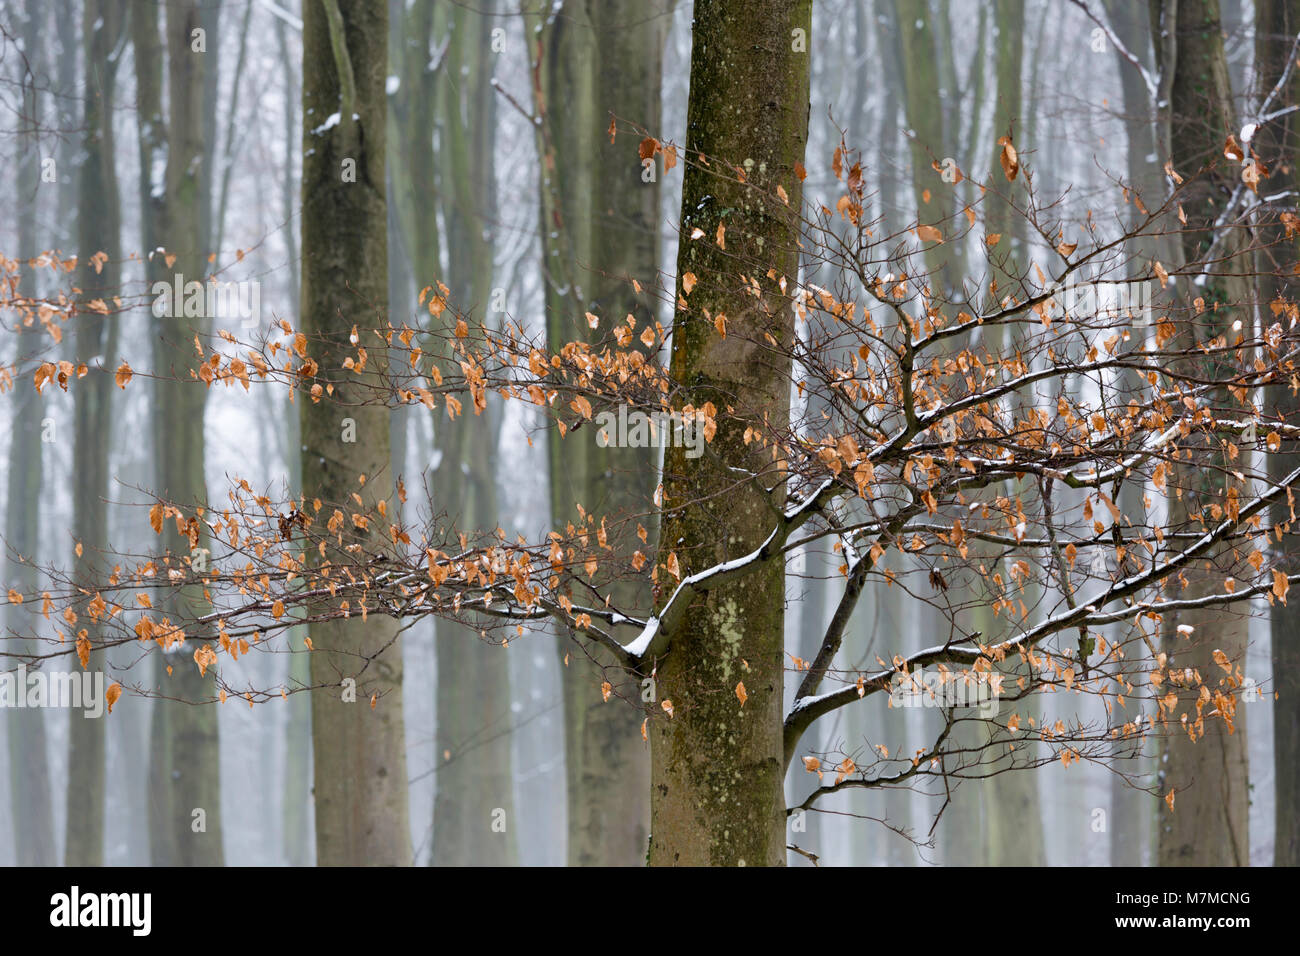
<point>1009,158</point>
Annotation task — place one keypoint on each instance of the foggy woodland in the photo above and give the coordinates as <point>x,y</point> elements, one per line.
<point>625,432</point>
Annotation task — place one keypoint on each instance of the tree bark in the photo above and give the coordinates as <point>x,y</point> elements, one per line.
<point>359,751</point>
<point>1278,143</point>
<point>185,762</point>
<point>98,230</point>
<point>1208,824</point>
<point>475,823</point>
<point>29,773</point>
<point>1129,821</point>
<point>717,763</point>
<point>1012,801</point>
<point>602,62</point>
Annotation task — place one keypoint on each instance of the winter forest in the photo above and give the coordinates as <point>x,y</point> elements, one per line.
<point>645,432</point>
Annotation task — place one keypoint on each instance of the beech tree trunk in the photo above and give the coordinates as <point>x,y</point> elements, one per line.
<point>29,773</point>
<point>717,763</point>
<point>1130,820</point>
<point>474,810</point>
<point>1012,802</point>
<point>359,751</point>
<point>185,762</point>
<point>601,61</point>
<point>1278,143</point>
<point>99,224</point>
<point>1208,824</point>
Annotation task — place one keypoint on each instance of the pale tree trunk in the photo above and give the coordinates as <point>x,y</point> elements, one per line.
<point>999,215</point>
<point>1129,823</point>
<point>185,766</point>
<point>418,43</point>
<point>717,764</point>
<point>474,820</point>
<point>359,751</point>
<point>473,760</point>
<point>876,635</point>
<point>98,230</point>
<point>1208,823</point>
<point>918,49</point>
<point>71,52</point>
<point>601,62</point>
<point>298,769</point>
<point>29,773</point>
<point>1012,802</point>
<point>231,135</point>
<point>1278,143</point>
<point>962,827</point>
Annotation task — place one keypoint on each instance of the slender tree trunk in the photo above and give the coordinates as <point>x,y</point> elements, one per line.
<point>1129,823</point>
<point>298,770</point>
<point>185,763</point>
<point>1278,143</point>
<point>474,812</point>
<point>918,50</point>
<point>717,763</point>
<point>601,62</point>
<point>964,822</point>
<point>29,774</point>
<point>70,54</point>
<point>359,751</point>
<point>98,230</point>
<point>1012,802</point>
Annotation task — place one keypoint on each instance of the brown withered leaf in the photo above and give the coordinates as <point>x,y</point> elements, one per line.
<point>1009,158</point>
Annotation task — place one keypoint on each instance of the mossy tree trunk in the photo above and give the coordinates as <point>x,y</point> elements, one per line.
<point>1208,824</point>
<point>1278,143</point>
<point>717,763</point>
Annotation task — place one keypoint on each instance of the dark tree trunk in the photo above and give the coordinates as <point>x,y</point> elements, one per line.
<point>359,752</point>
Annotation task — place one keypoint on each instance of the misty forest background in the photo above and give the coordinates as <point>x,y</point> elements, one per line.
<point>912,81</point>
